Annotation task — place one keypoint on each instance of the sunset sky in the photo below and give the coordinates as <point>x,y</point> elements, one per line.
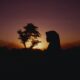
<point>62,16</point>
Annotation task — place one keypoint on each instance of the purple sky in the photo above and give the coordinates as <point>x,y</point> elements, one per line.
<point>60,15</point>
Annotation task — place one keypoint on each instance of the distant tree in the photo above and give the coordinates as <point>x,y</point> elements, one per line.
<point>30,31</point>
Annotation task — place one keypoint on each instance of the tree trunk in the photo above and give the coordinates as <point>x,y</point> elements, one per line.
<point>31,46</point>
<point>24,45</point>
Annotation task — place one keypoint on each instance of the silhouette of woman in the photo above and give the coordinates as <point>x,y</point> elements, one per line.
<point>54,42</point>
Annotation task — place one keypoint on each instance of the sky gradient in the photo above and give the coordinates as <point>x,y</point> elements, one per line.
<point>62,16</point>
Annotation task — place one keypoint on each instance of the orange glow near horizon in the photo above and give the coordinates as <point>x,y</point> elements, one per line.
<point>42,45</point>
<point>65,37</point>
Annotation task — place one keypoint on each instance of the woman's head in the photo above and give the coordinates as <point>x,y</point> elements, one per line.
<point>52,36</point>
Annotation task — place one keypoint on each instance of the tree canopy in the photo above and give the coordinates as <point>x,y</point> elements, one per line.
<point>30,32</point>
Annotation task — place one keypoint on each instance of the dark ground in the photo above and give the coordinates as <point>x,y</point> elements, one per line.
<point>21,60</point>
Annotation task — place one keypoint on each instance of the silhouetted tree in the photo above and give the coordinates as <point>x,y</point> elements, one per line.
<point>30,31</point>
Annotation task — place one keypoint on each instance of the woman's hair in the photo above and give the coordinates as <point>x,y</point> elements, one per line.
<point>53,37</point>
